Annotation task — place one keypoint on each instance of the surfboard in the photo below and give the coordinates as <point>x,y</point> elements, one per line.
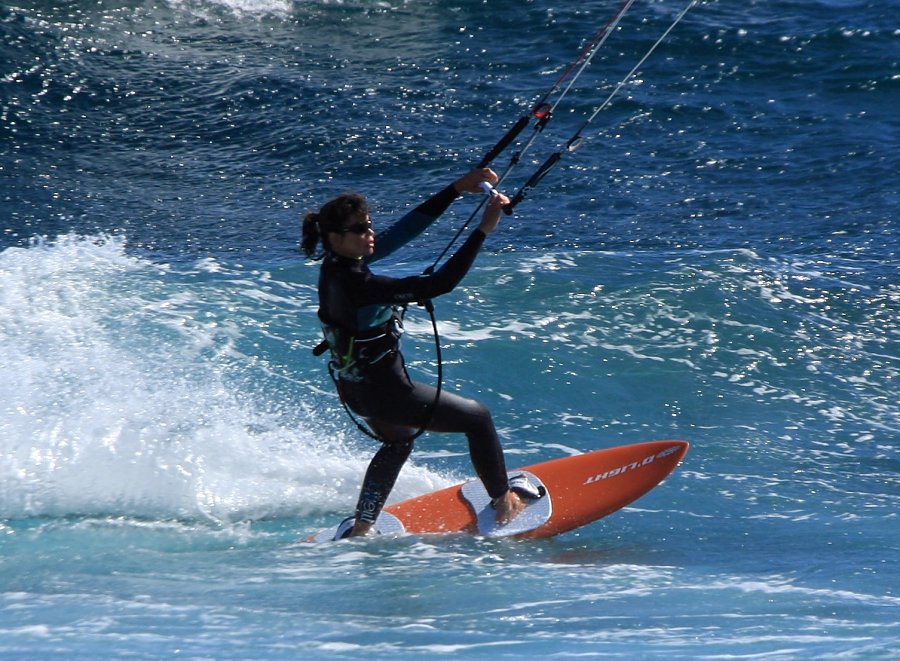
<point>577,490</point>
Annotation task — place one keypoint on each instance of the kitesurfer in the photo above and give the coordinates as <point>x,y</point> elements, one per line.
<point>360,316</point>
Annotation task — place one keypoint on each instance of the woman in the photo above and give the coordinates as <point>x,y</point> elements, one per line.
<point>362,327</point>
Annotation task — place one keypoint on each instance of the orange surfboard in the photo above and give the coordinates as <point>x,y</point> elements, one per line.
<point>579,489</point>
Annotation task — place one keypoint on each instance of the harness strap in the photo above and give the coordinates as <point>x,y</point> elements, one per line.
<point>340,391</point>
<point>351,354</point>
<point>337,371</point>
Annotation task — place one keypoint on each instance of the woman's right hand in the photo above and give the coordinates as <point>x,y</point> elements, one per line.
<point>472,180</point>
<point>491,217</point>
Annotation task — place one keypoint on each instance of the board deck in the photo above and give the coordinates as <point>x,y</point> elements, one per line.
<point>581,489</point>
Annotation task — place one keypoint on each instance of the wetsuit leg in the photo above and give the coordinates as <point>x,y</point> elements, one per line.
<point>395,405</point>
<point>457,414</point>
<point>383,470</point>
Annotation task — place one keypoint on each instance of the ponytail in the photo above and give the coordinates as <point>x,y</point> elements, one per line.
<point>332,217</point>
<point>311,234</point>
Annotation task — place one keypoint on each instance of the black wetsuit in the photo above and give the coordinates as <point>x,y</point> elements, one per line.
<point>357,311</point>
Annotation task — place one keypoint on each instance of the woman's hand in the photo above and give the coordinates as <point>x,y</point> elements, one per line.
<point>471,181</point>
<point>491,217</point>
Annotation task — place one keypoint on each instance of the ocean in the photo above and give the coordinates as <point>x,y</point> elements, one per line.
<point>718,262</point>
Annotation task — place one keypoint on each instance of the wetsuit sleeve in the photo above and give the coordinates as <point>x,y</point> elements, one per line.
<point>413,223</point>
<point>383,289</point>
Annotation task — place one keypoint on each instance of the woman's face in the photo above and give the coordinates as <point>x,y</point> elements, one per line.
<point>356,239</point>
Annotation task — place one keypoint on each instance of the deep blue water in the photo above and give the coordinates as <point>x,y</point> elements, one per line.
<point>718,262</point>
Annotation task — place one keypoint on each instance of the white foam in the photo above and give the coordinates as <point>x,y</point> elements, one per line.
<point>239,7</point>
<point>123,391</point>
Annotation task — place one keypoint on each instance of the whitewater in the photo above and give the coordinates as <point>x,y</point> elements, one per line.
<point>718,263</point>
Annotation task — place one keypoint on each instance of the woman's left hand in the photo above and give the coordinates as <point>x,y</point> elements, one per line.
<point>491,217</point>
<point>472,180</point>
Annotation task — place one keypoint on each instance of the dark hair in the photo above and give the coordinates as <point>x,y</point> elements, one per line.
<point>332,217</point>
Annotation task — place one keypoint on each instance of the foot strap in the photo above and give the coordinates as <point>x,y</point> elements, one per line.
<point>344,528</point>
<point>521,486</point>
<point>386,524</point>
<point>537,510</point>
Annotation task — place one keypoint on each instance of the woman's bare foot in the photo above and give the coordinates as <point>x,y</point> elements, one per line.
<point>508,507</point>
<point>360,528</point>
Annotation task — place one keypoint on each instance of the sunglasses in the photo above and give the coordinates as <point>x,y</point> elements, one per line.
<point>361,227</point>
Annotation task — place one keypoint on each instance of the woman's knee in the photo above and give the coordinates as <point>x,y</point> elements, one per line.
<point>481,411</point>
<point>475,417</point>
<point>399,449</point>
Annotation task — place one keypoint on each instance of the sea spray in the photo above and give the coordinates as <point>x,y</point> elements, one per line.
<point>124,391</point>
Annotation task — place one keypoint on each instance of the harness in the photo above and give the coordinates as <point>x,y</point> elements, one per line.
<point>352,355</point>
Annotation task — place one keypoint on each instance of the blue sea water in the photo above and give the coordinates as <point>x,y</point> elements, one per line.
<point>718,262</point>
